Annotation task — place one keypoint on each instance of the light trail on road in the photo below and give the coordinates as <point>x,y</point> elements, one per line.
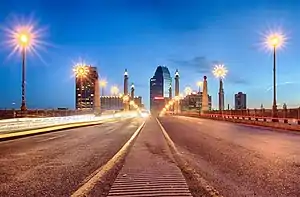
<point>32,123</point>
<point>56,164</point>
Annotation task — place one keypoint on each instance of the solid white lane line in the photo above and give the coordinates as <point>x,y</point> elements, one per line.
<point>212,191</point>
<point>97,175</point>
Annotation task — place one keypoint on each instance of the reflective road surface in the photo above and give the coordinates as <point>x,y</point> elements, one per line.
<point>239,160</point>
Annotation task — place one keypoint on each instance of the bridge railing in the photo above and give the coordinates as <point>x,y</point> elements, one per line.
<point>282,123</point>
<point>293,113</point>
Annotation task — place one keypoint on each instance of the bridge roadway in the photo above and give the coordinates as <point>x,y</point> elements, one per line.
<point>234,159</point>
<point>239,160</point>
<point>54,164</point>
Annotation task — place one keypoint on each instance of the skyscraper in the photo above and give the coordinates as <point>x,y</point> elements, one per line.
<point>86,89</point>
<point>160,85</point>
<point>240,101</point>
<point>194,101</point>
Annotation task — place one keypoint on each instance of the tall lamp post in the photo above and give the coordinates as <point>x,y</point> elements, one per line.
<point>23,39</point>
<point>200,84</point>
<point>187,90</point>
<point>103,83</point>
<point>114,90</point>
<point>273,42</point>
<point>220,72</point>
<point>81,71</point>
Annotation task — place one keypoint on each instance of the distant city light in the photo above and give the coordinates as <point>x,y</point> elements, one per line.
<point>114,90</point>
<point>188,90</point>
<point>220,71</point>
<point>125,98</point>
<point>103,83</point>
<point>199,83</point>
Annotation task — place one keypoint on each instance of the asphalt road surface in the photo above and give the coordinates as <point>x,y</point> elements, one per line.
<point>55,164</point>
<point>239,160</point>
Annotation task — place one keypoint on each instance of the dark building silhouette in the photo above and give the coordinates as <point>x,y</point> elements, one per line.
<point>85,89</point>
<point>116,102</point>
<point>160,90</point>
<point>194,102</point>
<point>240,101</point>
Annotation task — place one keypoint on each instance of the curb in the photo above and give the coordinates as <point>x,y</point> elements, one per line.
<point>212,192</point>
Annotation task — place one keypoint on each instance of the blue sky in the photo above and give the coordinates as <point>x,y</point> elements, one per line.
<point>138,35</point>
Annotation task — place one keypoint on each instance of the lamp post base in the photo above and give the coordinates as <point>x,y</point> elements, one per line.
<point>274,114</point>
<point>23,107</point>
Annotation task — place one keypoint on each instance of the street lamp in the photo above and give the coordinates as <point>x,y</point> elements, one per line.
<point>200,84</point>
<point>220,72</point>
<point>274,41</point>
<point>114,90</point>
<point>102,83</point>
<point>23,39</point>
<point>187,90</point>
<point>81,71</point>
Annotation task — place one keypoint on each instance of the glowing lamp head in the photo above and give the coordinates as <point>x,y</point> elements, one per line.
<point>24,38</point>
<point>81,70</point>
<point>103,83</point>
<point>188,90</point>
<point>274,40</point>
<point>199,83</point>
<point>220,71</point>
<point>114,90</point>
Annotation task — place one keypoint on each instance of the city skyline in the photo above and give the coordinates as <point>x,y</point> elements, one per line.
<point>153,36</point>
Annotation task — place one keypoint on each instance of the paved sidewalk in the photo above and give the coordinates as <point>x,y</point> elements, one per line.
<point>149,169</point>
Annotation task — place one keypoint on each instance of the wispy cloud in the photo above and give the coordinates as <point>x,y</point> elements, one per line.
<point>201,64</point>
<point>280,84</point>
<point>198,64</point>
